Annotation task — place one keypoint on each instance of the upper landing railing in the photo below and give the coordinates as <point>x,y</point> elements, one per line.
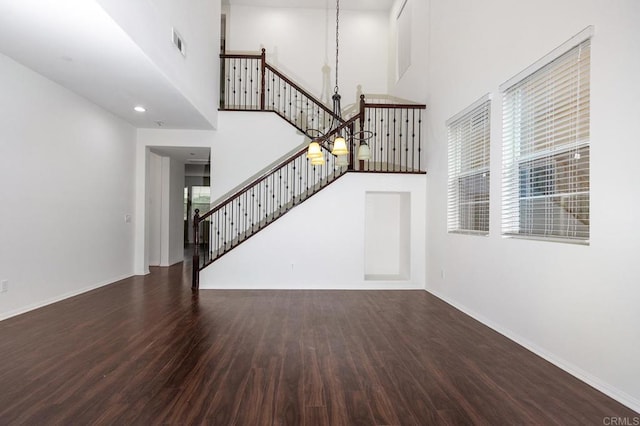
<point>249,83</point>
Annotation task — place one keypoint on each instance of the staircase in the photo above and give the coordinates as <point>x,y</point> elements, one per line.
<point>249,83</point>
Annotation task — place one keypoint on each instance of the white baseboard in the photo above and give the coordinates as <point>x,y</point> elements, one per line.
<point>363,286</point>
<point>31,307</point>
<point>591,380</point>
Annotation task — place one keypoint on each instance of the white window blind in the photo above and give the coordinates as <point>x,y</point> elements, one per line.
<point>545,191</point>
<point>468,193</point>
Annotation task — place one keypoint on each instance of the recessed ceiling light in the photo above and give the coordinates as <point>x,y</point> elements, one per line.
<point>140,108</point>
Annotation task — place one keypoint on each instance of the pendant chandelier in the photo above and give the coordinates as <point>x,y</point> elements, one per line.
<point>339,144</point>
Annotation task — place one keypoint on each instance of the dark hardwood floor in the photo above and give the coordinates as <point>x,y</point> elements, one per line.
<point>147,351</point>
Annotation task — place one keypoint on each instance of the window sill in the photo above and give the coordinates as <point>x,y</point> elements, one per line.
<point>572,241</point>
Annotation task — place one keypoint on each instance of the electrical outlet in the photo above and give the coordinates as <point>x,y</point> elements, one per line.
<point>4,286</point>
<point>127,218</point>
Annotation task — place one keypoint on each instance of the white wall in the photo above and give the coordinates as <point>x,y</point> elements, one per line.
<point>154,208</point>
<point>301,43</point>
<point>164,205</point>
<point>175,230</point>
<point>575,305</point>
<point>387,235</point>
<point>66,168</point>
<point>149,24</point>
<point>413,84</point>
<point>292,254</point>
<point>246,143</point>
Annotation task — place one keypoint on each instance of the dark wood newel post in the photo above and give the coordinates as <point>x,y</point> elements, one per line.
<point>195,269</point>
<point>263,63</point>
<point>362,107</point>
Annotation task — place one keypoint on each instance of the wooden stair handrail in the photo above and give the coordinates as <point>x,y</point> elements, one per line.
<point>304,92</point>
<point>265,66</point>
<point>271,170</point>
<point>394,106</point>
<point>241,55</point>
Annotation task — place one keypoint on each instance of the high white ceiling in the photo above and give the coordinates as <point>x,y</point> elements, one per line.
<point>76,44</point>
<point>317,4</point>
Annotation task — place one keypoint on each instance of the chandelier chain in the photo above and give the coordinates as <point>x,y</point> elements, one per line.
<point>337,45</point>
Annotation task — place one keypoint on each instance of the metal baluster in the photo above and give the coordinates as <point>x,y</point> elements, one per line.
<point>243,83</point>
<point>381,133</point>
<point>322,172</point>
<point>406,142</point>
<point>230,219</point>
<point>227,89</point>
<point>293,182</point>
<point>266,202</point>
<point>279,191</point>
<point>419,137</point>
<point>246,213</point>
<point>314,178</point>
<point>279,94</point>
<point>250,85</point>
<point>273,94</point>
<point>217,245</point>
<point>393,158</point>
<point>258,87</point>
<point>289,98</point>
<point>240,223</point>
<point>273,196</point>
<point>286,186</point>
<point>413,138</point>
<point>246,86</point>
<point>253,205</point>
<point>224,229</point>
<point>373,139</point>
<point>313,117</point>
<point>400,142</point>
<point>233,82</point>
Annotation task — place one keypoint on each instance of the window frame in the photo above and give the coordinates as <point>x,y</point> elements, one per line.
<point>535,168</point>
<point>469,169</point>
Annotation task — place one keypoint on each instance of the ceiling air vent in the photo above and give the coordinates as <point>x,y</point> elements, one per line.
<point>178,42</point>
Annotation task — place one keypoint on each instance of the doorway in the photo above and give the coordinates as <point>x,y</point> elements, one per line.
<point>178,183</point>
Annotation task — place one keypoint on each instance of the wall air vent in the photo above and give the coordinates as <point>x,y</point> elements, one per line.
<point>178,42</point>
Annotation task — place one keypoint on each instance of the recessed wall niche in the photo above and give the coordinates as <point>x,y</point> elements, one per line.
<point>386,238</point>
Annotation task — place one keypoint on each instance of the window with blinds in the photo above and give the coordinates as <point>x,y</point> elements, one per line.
<point>545,191</point>
<point>468,193</point>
